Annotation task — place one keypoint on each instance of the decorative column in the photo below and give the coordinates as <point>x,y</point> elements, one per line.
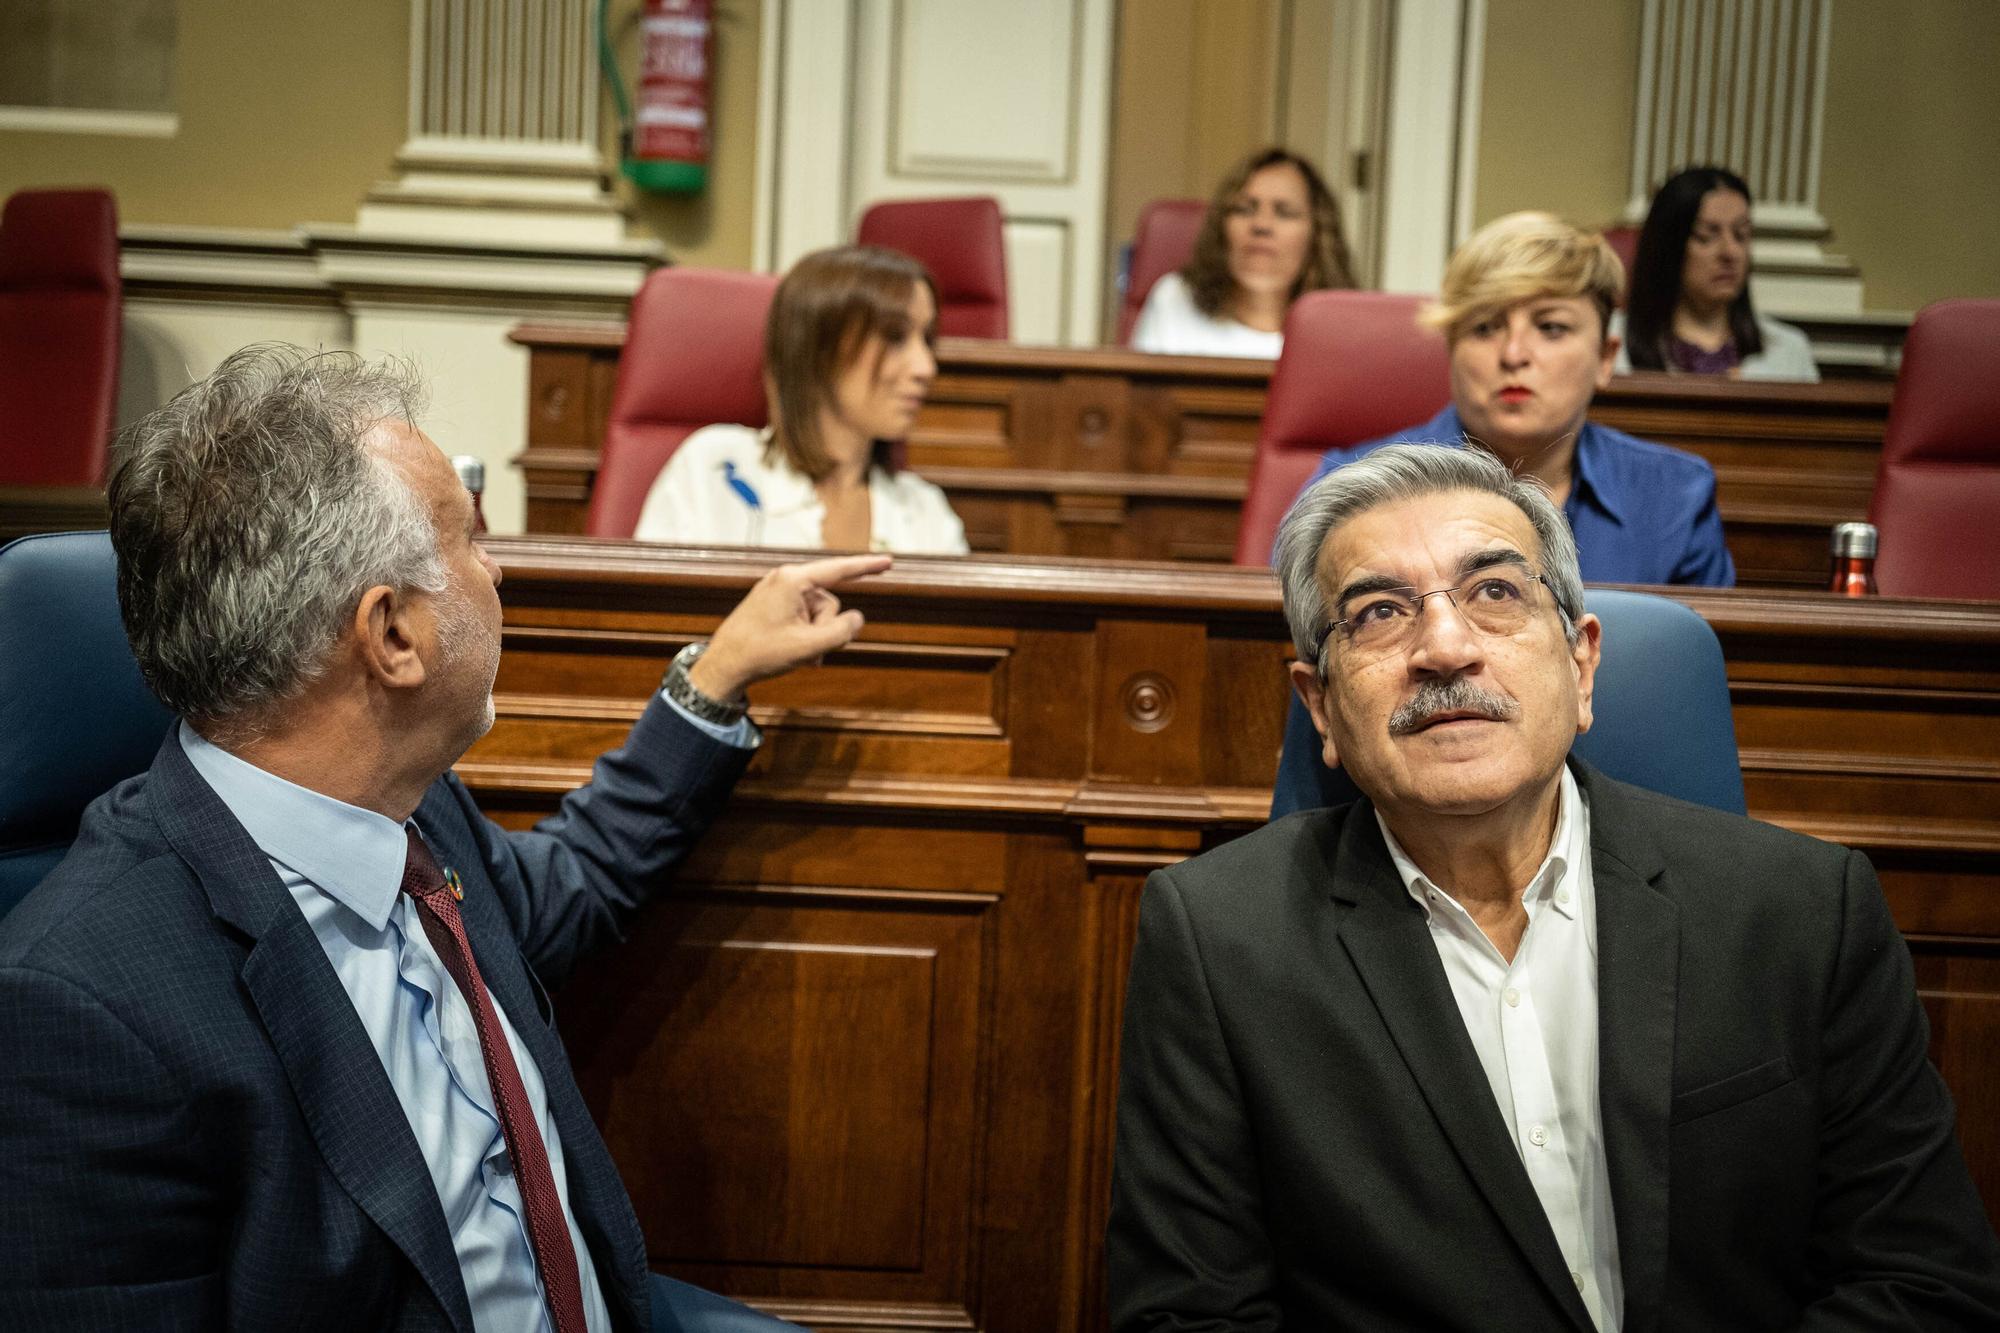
<point>1742,84</point>
<point>503,139</point>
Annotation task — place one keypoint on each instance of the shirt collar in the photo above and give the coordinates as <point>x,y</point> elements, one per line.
<point>1595,480</point>
<point>354,856</point>
<point>1552,883</point>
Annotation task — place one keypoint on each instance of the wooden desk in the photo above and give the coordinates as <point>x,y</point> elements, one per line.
<point>29,509</point>
<point>1115,454</point>
<point>861,1068</point>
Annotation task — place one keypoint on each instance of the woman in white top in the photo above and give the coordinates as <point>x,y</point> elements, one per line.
<point>1689,311</point>
<point>1272,232</point>
<point>847,363</point>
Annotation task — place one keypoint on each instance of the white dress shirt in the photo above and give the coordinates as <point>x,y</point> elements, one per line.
<point>721,489</point>
<point>1534,1025</point>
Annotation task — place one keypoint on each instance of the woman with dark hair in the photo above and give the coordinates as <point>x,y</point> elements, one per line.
<point>847,364</point>
<point>1272,232</point>
<point>1689,309</point>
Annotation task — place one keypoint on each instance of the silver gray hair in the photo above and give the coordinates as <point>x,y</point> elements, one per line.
<point>249,517</point>
<point>1403,472</point>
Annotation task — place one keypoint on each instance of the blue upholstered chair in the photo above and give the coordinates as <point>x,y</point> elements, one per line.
<point>1661,708</point>
<point>76,717</point>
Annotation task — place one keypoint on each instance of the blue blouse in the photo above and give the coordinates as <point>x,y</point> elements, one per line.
<point>1641,512</point>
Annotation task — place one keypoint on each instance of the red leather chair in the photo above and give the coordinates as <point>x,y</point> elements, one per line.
<point>1624,242</point>
<point>961,243</point>
<point>694,356</point>
<point>1165,242</point>
<point>1937,488</point>
<point>1356,366</point>
<point>61,309</point>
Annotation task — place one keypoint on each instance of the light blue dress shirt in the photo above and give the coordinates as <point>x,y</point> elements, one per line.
<point>343,866</point>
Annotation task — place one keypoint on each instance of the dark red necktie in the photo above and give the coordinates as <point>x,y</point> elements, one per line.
<point>437,907</point>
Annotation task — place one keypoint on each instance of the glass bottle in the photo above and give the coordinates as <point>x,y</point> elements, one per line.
<point>1853,560</point>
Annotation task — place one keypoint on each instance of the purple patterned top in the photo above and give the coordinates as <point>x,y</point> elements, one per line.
<point>1685,356</point>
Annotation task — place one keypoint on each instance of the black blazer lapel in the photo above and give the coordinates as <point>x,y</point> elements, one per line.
<point>1385,935</point>
<point>1638,979</point>
<point>336,1076</point>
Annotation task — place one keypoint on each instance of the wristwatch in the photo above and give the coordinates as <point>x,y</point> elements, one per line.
<point>683,692</point>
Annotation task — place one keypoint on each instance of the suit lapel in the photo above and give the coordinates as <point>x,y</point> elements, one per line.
<point>1385,935</point>
<point>342,1091</point>
<point>1638,970</point>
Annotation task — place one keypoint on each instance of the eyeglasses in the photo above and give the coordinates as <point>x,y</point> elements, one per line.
<point>1497,600</point>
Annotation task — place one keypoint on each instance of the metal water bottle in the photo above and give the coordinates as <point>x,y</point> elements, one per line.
<point>472,472</point>
<point>1853,560</point>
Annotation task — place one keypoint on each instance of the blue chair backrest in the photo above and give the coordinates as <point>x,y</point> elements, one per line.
<point>1661,710</point>
<point>76,717</point>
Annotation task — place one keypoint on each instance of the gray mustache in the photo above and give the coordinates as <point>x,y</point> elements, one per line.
<point>1457,695</point>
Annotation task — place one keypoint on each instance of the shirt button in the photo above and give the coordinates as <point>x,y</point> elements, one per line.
<point>1577,1278</point>
<point>1538,1136</point>
<point>1512,997</point>
<point>1562,897</point>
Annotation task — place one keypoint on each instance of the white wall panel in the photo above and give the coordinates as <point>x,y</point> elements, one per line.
<point>984,90</point>
<point>1038,259</point>
<point>925,98</point>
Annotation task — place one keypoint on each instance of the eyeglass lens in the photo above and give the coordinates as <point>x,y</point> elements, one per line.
<point>1496,600</point>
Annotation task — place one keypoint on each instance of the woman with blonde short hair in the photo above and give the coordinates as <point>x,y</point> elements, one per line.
<point>1526,308</point>
<point>847,364</point>
<point>1271,234</point>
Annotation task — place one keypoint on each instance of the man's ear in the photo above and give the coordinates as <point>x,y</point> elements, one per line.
<point>1306,684</point>
<point>390,637</point>
<point>1585,653</point>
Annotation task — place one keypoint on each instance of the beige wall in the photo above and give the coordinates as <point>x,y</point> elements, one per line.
<point>1556,108</point>
<point>713,228</point>
<point>289,113</point>
<point>1908,168</point>
<point>1911,174</point>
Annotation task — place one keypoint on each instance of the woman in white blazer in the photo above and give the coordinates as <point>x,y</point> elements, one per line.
<point>1272,232</point>
<point>847,365</point>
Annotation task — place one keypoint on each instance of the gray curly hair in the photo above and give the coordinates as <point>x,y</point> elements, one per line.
<point>249,518</point>
<point>1402,472</point>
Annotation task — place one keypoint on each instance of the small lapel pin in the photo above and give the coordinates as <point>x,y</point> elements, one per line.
<point>454,883</point>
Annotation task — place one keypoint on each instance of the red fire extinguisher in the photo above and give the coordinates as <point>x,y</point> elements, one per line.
<point>664,139</point>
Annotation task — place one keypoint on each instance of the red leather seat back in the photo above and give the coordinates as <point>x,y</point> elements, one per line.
<point>694,356</point>
<point>1164,243</point>
<point>1624,242</point>
<point>1356,366</point>
<point>1937,489</point>
<point>61,309</point>
<point>960,241</point>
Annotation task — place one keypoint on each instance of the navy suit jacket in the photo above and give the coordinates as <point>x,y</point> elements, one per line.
<point>194,1129</point>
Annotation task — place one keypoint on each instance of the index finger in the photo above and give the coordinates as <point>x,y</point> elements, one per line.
<point>840,568</point>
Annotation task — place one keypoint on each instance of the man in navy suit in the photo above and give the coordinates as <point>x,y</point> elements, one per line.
<point>275,1048</point>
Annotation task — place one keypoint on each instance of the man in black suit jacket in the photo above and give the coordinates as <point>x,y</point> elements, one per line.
<point>1507,1044</point>
<point>211,1062</point>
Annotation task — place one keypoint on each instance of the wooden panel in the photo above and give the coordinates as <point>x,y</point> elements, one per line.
<point>31,509</point>
<point>860,1070</point>
<point>1112,454</point>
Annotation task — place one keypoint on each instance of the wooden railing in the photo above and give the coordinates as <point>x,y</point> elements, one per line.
<point>1116,454</point>
<point>860,1067</point>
